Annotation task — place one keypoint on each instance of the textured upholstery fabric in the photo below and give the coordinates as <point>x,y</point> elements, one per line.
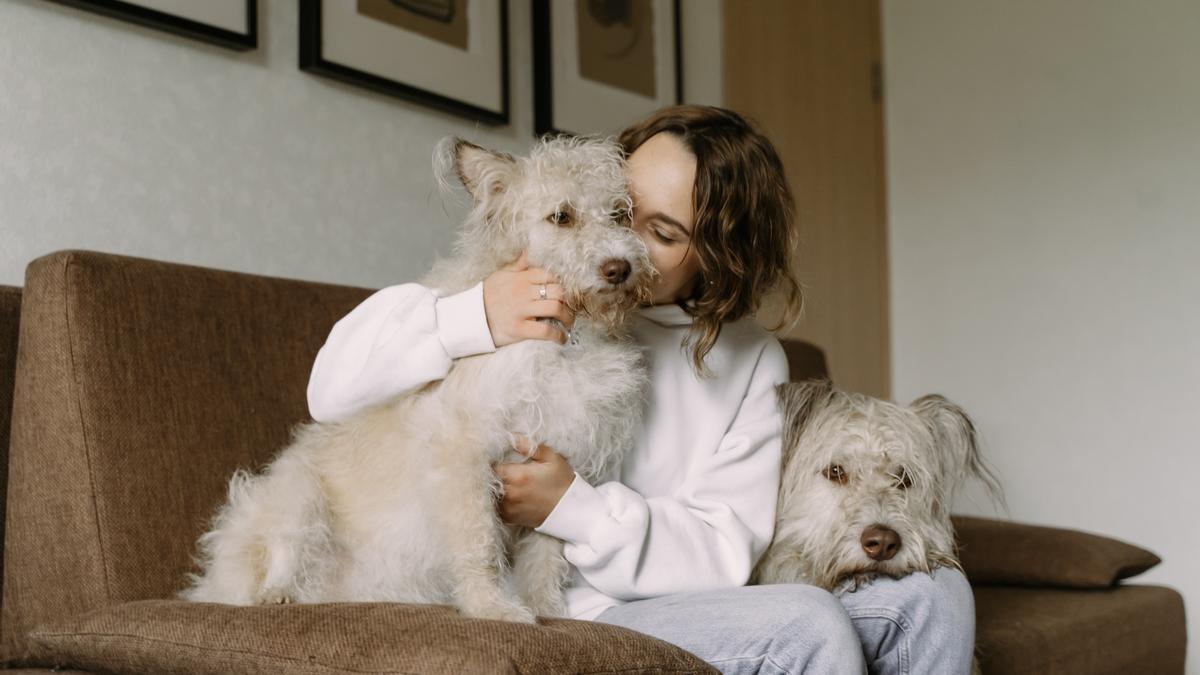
<point>141,385</point>
<point>10,320</point>
<point>180,637</point>
<point>1117,631</point>
<point>1003,552</point>
<point>41,671</point>
<point>806,361</point>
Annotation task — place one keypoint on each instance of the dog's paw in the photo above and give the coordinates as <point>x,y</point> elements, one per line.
<point>502,612</point>
<point>274,597</point>
<point>555,609</point>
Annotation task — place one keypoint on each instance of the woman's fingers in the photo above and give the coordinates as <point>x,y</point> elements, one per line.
<point>553,292</point>
<point>537,276</point>
<point>513,302</point>
<point>541,330</point>
<point>553,309</point>
<point>522,445</point>
<point>520,264</point>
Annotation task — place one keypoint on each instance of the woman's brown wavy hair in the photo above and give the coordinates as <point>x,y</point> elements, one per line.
<point>743,233</point>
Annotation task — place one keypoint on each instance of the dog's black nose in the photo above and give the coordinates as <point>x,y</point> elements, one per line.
<point>880,542</point>
<point>615,270</point>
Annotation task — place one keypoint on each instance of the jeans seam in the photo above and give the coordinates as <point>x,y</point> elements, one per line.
<point>744,658</point>
<point>895,617</point>
<point>765,657</point>
<point>773,663</point>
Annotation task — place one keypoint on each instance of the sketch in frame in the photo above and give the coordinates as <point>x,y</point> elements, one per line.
<point>601,64</point>
<point>227,23</point>
<point>447,54</point>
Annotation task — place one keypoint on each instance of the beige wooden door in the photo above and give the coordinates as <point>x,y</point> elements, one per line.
<point>808,71</point>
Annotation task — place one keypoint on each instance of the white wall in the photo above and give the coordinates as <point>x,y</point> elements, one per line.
<point>130,140</point>
<point>1044,199</point>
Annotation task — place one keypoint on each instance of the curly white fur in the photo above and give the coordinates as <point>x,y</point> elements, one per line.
<point>899,469</point>
<point>398,503</point>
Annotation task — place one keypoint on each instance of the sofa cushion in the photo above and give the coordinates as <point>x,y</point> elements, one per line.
<point>1003,552</point>
<point>141,385</point>
<point>179,637</point>
<point>1128,629</point>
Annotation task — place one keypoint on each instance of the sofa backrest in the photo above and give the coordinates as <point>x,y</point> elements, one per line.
<point>806,361</point>
<point>140,386</point>
<point>10,320</point>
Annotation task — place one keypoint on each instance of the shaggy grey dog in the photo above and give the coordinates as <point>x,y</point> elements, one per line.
<point>867,486</point>
<point>398,503</point>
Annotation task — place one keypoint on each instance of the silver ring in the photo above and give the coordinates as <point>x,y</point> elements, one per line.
<point>542,292</point>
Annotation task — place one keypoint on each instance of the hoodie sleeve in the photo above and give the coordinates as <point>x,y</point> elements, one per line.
<point>398,339</point>
<point>708,534</point>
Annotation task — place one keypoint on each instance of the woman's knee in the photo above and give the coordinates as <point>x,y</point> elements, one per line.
<point>817,622</point>
<point>947,594</point>
<point>938,602</point>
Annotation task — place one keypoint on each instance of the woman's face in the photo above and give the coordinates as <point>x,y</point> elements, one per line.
<point>661,173</point>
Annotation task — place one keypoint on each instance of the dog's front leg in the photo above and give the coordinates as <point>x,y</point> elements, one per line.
<point>474,536</point>
<point>540,572</point>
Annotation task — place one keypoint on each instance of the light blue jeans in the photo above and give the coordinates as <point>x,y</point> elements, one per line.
<point>921,623</point>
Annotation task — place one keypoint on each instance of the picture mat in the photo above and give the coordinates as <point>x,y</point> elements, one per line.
<point>595,107</point>
<point>456,33</point>
<point>632,71</point>
<point>474,76</point>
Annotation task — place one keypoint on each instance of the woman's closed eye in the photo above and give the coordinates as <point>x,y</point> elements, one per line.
<point>663,235</point>
<point>666,232</point>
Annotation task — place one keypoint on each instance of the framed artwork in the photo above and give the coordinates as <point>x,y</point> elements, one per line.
<point>227,23</point>
<point>448,54</point>
<point>601,64</point>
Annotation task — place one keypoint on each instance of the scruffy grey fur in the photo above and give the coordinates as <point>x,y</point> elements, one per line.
<point>398,503</point>
<point>867,486</point>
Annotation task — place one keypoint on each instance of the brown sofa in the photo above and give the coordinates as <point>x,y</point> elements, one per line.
<point>136,386</point>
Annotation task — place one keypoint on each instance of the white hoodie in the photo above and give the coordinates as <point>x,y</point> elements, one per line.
<point>693,507</point>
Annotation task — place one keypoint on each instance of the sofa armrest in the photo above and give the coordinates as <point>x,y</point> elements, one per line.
<point>1016,554</point>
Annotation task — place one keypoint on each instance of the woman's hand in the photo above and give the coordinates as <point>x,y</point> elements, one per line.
<point>532,489</point>
<point>512,301</point>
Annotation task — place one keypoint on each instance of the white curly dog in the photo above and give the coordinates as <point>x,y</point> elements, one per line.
<point>398,503</point>
<point>867,486</point>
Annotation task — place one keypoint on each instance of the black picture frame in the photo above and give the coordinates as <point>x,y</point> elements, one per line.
<point>174,24</point>
<point>313,61</point>
<point>543,68</point>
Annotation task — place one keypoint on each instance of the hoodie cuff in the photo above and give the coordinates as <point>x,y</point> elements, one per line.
<point>462,323</point>
<point>576,513</point>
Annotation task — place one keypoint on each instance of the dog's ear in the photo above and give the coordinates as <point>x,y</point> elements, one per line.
<point>482,172</point>
<point>798,402</point>
<point>957,443</point>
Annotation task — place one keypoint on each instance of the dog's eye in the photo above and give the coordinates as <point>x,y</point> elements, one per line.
<point>903,480</point>
<point>836,473</point>
<point>561,218</point>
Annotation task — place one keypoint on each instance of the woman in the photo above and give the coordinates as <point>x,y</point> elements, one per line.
<point>667,546</point>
